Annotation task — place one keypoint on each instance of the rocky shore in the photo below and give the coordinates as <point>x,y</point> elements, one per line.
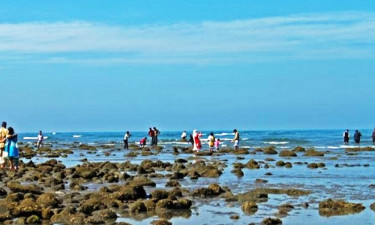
<point>103,192</point>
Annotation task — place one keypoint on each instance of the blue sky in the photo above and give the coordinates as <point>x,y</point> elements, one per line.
<point>179,65</point>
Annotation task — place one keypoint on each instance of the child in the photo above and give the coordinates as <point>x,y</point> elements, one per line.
<point>143,142</point>
<point>12,149</point>
<point>217,144</point>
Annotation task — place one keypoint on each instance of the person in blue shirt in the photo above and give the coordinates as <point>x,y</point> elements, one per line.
<point>12,149</point>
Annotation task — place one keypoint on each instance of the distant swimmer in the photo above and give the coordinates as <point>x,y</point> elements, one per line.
<point>142,142</point>
<point>373,137</point>
<point>39,142</point>
<point>3,136</point>
<point>183,135</point>
<point>211,141</point>
<point>12,149</point>
<point>346,136</point>
<point>126,139</point>
<point>357,137</point>
<point>197,142</point>
<point>236,139</point>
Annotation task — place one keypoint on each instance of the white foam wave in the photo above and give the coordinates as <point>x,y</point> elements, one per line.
<point>77,136</point>
<point>245,139</point>
<point>276,142</point>
<point>224,134</point>
<point>333,147</point>
<point>33,138</point>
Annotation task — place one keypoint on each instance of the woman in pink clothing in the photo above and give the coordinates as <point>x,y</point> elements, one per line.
<point>197,142</point>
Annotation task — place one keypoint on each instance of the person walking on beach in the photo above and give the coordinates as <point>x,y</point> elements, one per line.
<point>143,141</point>
<point>183,135</point>
<point>3,136</point>
<point>357,137</point>
<point>197,142</point>
<point>346,136</point>
<point>151,133</point>
<point>39,142</point>
<point>373,137</point>
<point>126,139</point>
<point>211,141</point>
<point>157,133</point>
<point>236,139</point>
<point>12,149</point>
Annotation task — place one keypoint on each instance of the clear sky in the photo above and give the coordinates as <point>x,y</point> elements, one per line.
<point>217,64</point>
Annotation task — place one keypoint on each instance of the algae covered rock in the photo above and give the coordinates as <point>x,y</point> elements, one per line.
<point>48,200</point>
<point>313,152</point>
<point>287,153</point>
<point>249,207</point>
<point>331,207</point>
<point>270,150</point>
<point>272,221</point>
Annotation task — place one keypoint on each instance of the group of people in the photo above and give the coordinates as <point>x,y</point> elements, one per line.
<point>153,133</point>
<point>357,137</point>
<point>212,141</point>
<point>8,147</point>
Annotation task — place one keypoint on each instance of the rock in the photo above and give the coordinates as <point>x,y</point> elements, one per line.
<point>90,205</point>
<point>3,192</point>
<point>5,216</point>
<point>84,172</point>
<point>313,152</point>
<point>159,194</point>
<point>181,161</point>
<point>331,207</point>
<point>252,196</point>
<point>312,166</point>
<point>299,149</point>
<point>272,221</point>
<point>365,149</point>
<point>137,207</point>
<point>47,200</point>
<point>286,207</point>
<point>161,222</point>
<point>270,150</point>
<point>212,190</point>
<point>33,219</point>
<point>47,213</point>
<point>173,183</point>
<point>27,207</point>
<point>150,204</point>
<point>17,187</point>
<point>372,206</point>
<point>130,193</point>
<point>252,164</point>
<point>234,217</point>
<point>141,181</point>
<point>280,163</point>
<point>288,165</point>
<point>287,153</point>
<point>242,151</point>
<point>261,181</point>
<point>249,207</point>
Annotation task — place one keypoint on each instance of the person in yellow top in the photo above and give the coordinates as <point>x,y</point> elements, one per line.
<point>3,136</point>
<point>236,139</point>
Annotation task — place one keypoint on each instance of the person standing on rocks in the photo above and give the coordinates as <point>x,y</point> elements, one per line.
<point>157,133</point>
<point>236,139</point>
<point>151,133</point>
<point>373,137</point>
<point>12,149</point>
<point>197,142</point>
<point>211,141</point>
<point>191,140</point>
<point>346,136</point>
<point>3,136</point>
<point>126,139</point>
<point>39,143</point>
<point>183,135</point>
<point>357,137</point>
